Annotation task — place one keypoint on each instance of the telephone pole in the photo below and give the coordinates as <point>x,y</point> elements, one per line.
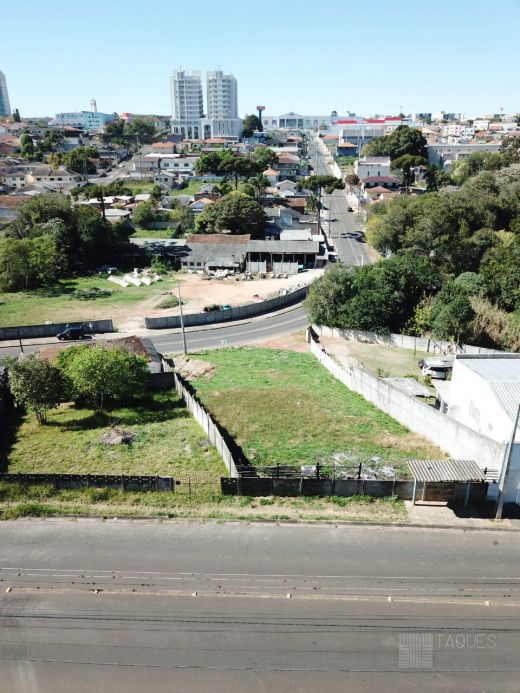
<point>185,348</point>
<point>504,476</point>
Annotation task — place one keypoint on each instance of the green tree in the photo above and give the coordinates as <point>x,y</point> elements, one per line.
<point>26,146</point>
<point>452,320</point>
<point>235,212</point>
<point>143,128</point>
<point>100,372</point>
<point>403,140</point>
<point>16,116</point>
<point>36,384</point>
<point>79,160</point>
<point>250,124</point>
<point>143,214</point>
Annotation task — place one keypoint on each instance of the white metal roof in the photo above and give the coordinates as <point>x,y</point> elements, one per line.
<point>502,374</point>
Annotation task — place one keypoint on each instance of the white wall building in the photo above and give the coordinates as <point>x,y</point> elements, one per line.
<point>484,394</point>
<point>187,103</point>
<point>372,166</point>
<point>222,97</point>
<point>446,154</point>
<point>5,108</point>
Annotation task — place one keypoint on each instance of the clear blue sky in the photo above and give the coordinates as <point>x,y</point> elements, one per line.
<point>309,57</point>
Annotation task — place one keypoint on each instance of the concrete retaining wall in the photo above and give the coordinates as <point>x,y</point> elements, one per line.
<point>32,331</point>
<point>207,424</point>
<point>457,440</point>
<point>238,313</point>
<point>405,341</point>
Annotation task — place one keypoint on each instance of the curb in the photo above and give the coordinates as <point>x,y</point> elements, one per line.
<point>290,523</point>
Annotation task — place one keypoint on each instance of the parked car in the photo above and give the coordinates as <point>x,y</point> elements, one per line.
<point>72,332</point>
<point>349,209</point>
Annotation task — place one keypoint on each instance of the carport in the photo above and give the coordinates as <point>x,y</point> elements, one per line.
<point>441,478</point>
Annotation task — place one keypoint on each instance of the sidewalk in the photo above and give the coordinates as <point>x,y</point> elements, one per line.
<point>443,516</point>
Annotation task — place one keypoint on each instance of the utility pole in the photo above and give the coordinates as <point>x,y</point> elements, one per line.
<point>503,477</point>
<point>139,155</point>
<point>185,348</point>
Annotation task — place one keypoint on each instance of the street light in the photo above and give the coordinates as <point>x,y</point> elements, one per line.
<point>185,348</point>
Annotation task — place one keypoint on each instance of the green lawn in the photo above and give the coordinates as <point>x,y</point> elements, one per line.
<point>167,441</point>
<point>71,299</point>
<point>285,408</point>
<point>193,187</point>
<point>137,186</point>
<point>153,233</point>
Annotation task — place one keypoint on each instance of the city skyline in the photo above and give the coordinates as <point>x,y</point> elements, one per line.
<point>341,58</point>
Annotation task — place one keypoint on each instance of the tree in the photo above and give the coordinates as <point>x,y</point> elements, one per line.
<point>452,320</point>
<point>26,263</point>
<point>250,124</point>
<point>403,140</point>
<point>79,160</point>
<point>224,162</point>
<point>100,372</point>
<point>35,383</point>
<point>143,214</point>
<point>317,184</point>
<point>234,212</point>
<point>26,146</point>
<point>143,128</point>
<point>259,183</point>
<point>16,116</point>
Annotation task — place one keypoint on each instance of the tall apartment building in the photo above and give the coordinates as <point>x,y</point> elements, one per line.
<point>188,117</point>
<point>5,108</point>
<point>222,96</point>
<point>187,103</point>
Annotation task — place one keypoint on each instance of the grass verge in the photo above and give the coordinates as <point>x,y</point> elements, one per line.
<point>45,501</point>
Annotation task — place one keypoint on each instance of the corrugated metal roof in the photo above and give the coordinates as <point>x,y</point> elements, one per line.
<point>445,470</point>
<point>502,373</point>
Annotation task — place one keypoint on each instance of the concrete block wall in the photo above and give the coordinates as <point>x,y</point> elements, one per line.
<point>449,435</point>
<point>207,424</point>
<point>238,313</point>
<point>32,331</point>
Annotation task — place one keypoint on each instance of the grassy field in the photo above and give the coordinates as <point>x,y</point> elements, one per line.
<point>153,233</point>
<point>167,441</point>
<point>386,361</point>
<point>284,408</point>
<point>193,187</point>
<point>70,299</point>
<point>44,501</point>
<point>137,186</point>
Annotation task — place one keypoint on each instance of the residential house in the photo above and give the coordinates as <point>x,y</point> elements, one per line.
<point>369,166</point>
<point>346,149</point>
<point>198,206</point>
<point>272,176</point>
<point>387,182</point>
<point>287,165</point>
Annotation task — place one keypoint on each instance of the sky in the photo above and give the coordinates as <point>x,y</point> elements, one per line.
<point>289,55</point>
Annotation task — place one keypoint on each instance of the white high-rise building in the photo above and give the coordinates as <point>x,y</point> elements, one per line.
<point>187,104</point>
<point>221,95</point>
<point>5,108</point>
<point>188,117</point>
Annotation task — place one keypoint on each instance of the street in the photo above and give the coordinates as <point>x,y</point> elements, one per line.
<point>269,326</point>
<point>343,228</point>
<point>120,605</point>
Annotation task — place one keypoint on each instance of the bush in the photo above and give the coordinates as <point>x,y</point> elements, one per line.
<point>169,302</point>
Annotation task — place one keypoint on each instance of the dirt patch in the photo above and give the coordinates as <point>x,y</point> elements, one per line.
<point>193,368</point>
<point>290,342</point>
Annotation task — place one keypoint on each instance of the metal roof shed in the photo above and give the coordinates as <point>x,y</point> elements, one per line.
<point>435,471</point>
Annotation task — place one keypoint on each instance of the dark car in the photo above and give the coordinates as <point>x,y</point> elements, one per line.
<point>72,332</point>
<point>349,209</point>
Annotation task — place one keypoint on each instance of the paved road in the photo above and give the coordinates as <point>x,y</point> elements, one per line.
<point>268,326</point>
<point>187,607</point>
<point>344,231</point>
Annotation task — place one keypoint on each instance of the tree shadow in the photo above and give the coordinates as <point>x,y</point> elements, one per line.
<point>12,419</point>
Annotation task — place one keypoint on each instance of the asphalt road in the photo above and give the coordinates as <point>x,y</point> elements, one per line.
<point>344,231</point>
<point>269,326</point>
<point>115,606</point>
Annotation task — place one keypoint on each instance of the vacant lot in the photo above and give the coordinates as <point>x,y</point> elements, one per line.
<point>84,298</point>
<point>167,441</point>
<point>283,407</point>
<point>381,360</point>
